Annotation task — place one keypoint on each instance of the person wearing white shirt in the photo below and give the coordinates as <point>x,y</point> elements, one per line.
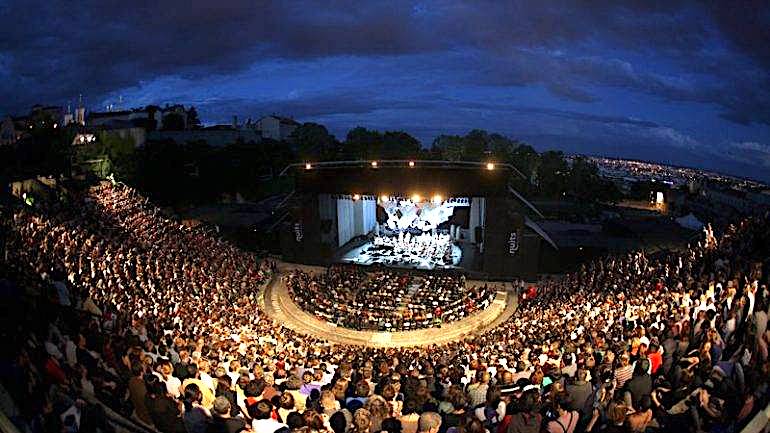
<point>263,422</point>
<point>173,384</point>
<point>70,351</point>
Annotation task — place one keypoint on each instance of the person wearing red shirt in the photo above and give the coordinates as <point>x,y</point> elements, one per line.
<point>655,357</point>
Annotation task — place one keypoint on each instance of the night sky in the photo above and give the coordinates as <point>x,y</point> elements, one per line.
<point>677,82</point>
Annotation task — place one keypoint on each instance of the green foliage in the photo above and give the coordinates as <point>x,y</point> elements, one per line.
<point>112,152</point>
<point>448,147</point>
<point>193,121</point>
<point>173,122</point>
<point>476,145</point>
<point>314,143</point>
<point>552,173</point>
<point>362,143</point>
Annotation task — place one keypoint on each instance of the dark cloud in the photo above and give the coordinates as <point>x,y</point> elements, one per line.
<point>55,50</point>
<point>421,57</point>
<point>340,103</point>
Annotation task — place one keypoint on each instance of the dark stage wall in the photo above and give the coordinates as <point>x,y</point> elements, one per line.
<point>425,181</point>
<point>510,249</point>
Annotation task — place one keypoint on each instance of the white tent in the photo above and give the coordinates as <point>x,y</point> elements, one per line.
<point>690,222</point>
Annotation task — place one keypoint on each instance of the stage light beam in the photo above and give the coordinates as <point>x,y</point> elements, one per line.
<point>356,197</point>
<point>383,198</point>
<point>416,198</point>
<point>437,199</point>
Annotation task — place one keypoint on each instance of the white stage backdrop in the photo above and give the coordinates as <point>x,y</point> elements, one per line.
<point>355,218</point>
<point>405,214</point>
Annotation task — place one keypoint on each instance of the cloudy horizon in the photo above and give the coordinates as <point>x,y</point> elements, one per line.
<point>677,82</point>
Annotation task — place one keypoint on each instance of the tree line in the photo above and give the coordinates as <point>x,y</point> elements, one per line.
<point>195,172</point>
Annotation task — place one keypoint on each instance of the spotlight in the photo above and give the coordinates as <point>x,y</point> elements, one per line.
<point>308,166</point>
<point>490,166</point>
<point>383,198</point>
<point>374,164</point>
<point>411,163</point>
<point>356,196</point>
<point>436,199</point>
<point>416,198</point>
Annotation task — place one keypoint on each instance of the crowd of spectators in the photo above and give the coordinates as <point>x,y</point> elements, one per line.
<point>163,323</point>
<point>386,300</point>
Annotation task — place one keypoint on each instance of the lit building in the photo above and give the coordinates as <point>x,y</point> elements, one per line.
<point>276,127</point>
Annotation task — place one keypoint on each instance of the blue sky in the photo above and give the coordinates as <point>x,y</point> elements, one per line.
<point>672,81</point>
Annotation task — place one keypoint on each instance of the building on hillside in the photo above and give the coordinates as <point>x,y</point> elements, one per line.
<point>728,197</point>
<point>50,113</point>
<point>276,127</point>
<point>12,130</point>
<point>90,135</point>
<point>144,117</point>
<point>150,117</point>
<point>15,128</point>
<point>215,136</point>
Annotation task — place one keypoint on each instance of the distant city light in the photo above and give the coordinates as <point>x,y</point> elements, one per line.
<point>411,163</point>
<point>436,199</point>
<point>490,166</point>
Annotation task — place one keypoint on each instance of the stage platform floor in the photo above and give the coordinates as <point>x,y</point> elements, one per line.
<point>360,256</point>
<point>279,305</point>
<point>464,256</point>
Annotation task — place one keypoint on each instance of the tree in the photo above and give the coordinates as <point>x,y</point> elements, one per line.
<point>552,173</point>
<point>121,152</point>
<point>399,145</point>
<point>173,122</point>
<point>449,147</point>
<point>313,142</point>
<point>526,159</point>
<point>475,145</point>
<point>193,122</point>
<point>362,143</point>
<point>501,147</point>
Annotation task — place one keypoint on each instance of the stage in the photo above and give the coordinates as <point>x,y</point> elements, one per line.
<point>339,208</point>
<point>465,256</point>
<point>369,254</point>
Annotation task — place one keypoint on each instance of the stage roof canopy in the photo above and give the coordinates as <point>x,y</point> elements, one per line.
<point>425,177</point>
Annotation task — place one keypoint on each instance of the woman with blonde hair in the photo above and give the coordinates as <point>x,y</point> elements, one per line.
<point>362,421</point>
<point>379,409</point>
<point>329,403</point>
<point>390,395</point>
